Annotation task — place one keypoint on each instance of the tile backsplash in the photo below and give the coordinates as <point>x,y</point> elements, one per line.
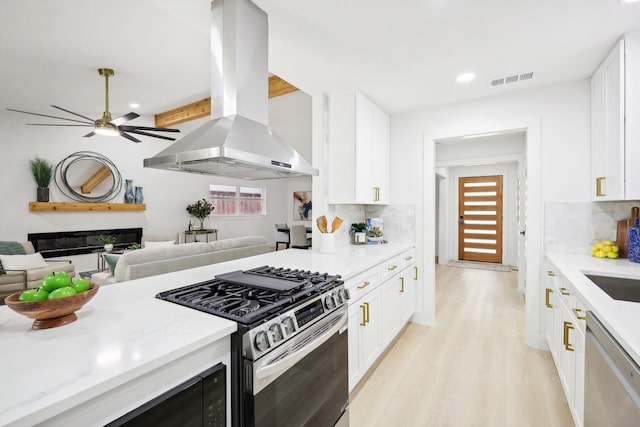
<point>571,227</point>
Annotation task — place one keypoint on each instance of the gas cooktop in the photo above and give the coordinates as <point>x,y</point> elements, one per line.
<point>252,295</point>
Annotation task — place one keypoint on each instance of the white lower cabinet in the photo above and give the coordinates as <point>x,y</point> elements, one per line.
<point>564,332</point>
<point>382,301</point>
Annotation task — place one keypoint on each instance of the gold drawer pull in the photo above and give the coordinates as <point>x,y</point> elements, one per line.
<point>393,267</point>
<point>567,326</point>
<point>364,315</point>
<point>364,285</point>
<point>577,312</point>
<point>599,192</point>
<point>408,258</point>
<point>564,291</point>
<point>402,284</point>
<point>415,276</point>
<point>546,298</point>
<point>550,273</point>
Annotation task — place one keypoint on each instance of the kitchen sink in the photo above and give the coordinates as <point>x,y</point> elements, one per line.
<point>618,288</point>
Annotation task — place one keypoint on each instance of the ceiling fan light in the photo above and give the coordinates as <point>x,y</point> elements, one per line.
<point>106,129</point>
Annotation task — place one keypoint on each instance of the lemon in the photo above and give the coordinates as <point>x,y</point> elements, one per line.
<point>607,243</point>
<point>600,254</point>
<point>606,249</point>
<point>615,249</point>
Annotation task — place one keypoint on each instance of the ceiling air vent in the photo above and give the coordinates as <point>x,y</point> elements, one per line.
<point>511,79</point>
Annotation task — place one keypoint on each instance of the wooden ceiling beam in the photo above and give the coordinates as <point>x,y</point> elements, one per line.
<point>202,108</point>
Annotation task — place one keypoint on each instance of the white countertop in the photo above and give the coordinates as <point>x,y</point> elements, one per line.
<point>621,318</point>
<point>125,332</point>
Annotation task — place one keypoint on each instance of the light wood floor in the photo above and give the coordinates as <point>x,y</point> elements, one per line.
<point>472,368</point>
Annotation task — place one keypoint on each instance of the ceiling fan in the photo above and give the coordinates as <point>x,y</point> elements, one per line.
<point>106,125</point>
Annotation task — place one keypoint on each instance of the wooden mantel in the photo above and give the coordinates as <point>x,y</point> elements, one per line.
<point>79,206</point>
<point>202,108</point>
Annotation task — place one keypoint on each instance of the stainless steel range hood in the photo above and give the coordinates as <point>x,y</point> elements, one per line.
<point>237,142</point>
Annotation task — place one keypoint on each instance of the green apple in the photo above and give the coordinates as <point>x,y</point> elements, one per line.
<point>33,295</point>
<point>612,254</point>
<point>65,291</point>
<point>80,285</point>
<point>55,280</point>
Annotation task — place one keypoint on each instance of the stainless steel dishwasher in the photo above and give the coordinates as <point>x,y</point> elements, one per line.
<point>612,380</point>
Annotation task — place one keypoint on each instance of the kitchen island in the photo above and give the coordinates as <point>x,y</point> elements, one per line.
<point>128,346</point>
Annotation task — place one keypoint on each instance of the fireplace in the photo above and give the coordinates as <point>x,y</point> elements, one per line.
<point>65,243</point>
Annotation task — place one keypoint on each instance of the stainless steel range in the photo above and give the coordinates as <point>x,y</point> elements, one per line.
<point>289,356</point>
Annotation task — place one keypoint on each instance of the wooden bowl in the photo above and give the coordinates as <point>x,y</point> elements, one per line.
<point>51,313</point>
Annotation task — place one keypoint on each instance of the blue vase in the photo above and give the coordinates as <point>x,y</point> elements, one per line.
<point>633,244</point>
<point>139,198</point>
<point>128,191</point>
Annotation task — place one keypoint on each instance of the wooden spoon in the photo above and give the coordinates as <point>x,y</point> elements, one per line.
<point>322,223</point>
<point>337,222</point>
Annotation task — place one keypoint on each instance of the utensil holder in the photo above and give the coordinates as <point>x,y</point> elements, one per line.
<point>327,243</point>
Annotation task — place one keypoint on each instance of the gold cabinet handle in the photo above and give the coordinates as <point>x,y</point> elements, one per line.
<point>415,270</point>
<point>364,315</point>
<point>567,327</point>
<point>564,291</point>
<point>402,284</point>
<point>393,267</point>
<point>546,298</point>
<point>599,192</point>
<point>376,191</point>
<point>364,285</point>
<point>577,312</point>
<point>550,273</point>
<point>408,258</point>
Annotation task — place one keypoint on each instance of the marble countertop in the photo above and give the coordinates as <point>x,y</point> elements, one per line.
<point>621,318</point>
<point>125,332</point>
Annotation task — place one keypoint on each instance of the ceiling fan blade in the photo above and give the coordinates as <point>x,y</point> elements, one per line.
<point>129,137</point>
<point>48,124</point>
<point>52,117</point>
<point>149,134</point>
<point>123,119</point>
<point>89,134</point>
<point>75,114</point>
<point>130,128</point>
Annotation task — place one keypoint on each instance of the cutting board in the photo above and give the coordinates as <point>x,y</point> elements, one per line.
<point>622,232</point>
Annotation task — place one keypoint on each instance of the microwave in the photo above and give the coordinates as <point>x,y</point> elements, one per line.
<point>199,401</point>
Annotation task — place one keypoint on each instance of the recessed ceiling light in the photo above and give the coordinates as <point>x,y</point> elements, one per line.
<point>134,105</point>
<point>465,77</point>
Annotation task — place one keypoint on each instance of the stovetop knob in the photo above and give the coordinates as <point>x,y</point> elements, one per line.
<point>345,293</point>
<point>289,325</point>
<point>276,332</point>
<point>261,341</point>
<point>329,302</point>
<point>337,298</point>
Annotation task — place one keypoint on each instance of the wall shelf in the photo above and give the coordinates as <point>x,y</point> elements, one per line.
<point>79,206</point>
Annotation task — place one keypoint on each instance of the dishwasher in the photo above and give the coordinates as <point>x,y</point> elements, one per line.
<point>612,380</point>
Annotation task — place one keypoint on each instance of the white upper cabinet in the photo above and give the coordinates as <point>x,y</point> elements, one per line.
<point>615,123</point>
<point>358,150</point>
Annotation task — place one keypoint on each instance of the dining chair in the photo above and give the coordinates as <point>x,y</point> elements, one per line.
<point>282,237</point>
<point>299,238</point>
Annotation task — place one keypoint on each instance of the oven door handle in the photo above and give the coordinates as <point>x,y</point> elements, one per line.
<point>292,359</point>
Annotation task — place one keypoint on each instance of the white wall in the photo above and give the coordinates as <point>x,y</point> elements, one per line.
<point>166,193</point>
<point>556,120</point>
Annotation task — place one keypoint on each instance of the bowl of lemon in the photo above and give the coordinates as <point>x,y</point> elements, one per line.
<point>604,249</point>
<point>55,302</point>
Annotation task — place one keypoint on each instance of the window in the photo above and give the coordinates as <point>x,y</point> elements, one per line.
<point>236,200</point>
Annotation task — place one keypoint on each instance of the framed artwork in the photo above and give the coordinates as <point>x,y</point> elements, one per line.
<point>302,205</point>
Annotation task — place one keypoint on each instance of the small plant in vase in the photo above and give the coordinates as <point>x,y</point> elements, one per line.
<point>107,241</point>
<point>200,209</point>
<point>359,232</point>
<point>42,172</point>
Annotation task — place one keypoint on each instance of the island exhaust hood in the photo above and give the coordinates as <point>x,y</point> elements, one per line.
<point>237,142</point>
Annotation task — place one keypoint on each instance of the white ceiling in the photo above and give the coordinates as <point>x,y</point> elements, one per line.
<point>404,55</point>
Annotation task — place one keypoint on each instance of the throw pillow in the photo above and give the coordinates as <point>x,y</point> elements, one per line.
<point>159,244</point>
<point>10,248</point>
<point>22,262</point>
<point>111,260</point>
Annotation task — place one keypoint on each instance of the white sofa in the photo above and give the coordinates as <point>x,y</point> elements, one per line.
<point>158,260</point>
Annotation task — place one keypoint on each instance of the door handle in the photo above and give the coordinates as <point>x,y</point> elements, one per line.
<point>546,299</point>
<point>402,284</point>
<point>364,315</point>
<point>523,232</point>
<point>366,320</point>
<point>415,276</point>
<point>567,327</point>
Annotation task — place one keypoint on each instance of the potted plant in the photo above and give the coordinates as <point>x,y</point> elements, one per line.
<point>200,209</point>
<point>42,172</point>
<point>108,242</point>
<point>359,232</point>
